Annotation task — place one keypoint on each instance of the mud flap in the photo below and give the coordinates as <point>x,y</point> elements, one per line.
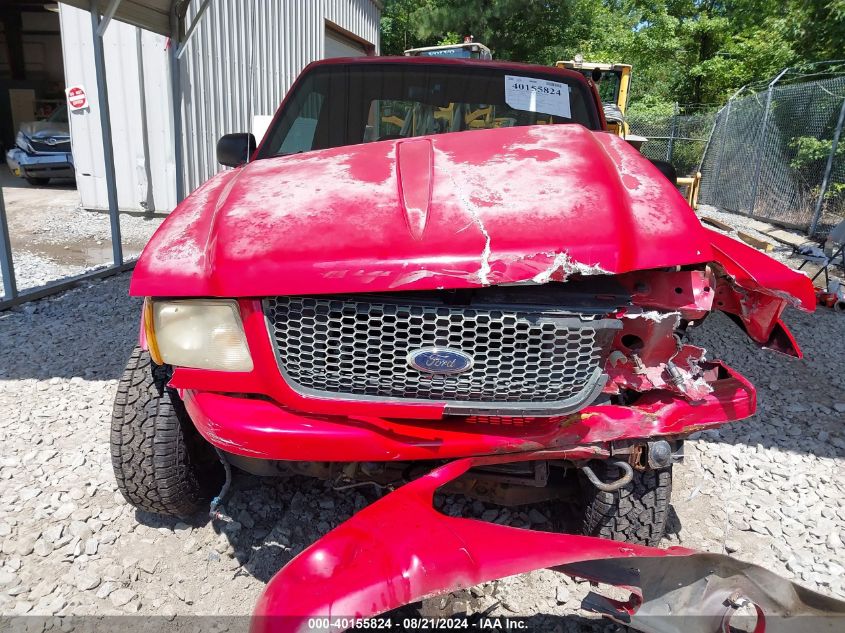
<point>401,550</point>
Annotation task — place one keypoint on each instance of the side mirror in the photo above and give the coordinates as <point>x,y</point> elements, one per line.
<point>233,150</point>
<point>667,169</point>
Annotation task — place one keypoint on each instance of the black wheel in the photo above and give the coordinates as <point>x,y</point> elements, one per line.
<point>36,182</point>
<point>161,463</point>
<point>636,513</point>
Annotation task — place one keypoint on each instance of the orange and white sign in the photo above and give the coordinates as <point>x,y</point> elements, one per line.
<point>76,98</point>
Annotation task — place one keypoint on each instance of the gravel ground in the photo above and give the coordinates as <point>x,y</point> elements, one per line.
<point>782,252</point>
<point>769,490</point>
<point>53,238</point>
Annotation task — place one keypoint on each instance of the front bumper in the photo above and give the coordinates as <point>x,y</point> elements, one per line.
<point>400,549</point>
<point>58,165</point>
<point>261,428</point>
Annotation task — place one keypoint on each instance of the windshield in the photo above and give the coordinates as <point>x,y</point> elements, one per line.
<point>608,86</point>
<point>607,82</point>
<point>351,104</point>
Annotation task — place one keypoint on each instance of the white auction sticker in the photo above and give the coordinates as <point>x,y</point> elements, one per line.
<point>537,95</point>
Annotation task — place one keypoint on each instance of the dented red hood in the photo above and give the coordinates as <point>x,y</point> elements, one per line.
<point>452,210</point>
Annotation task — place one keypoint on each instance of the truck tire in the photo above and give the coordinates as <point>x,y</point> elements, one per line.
<point>161,463</point>
<point>636,513</point>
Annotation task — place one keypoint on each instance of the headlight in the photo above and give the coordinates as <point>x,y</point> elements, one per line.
<point>197,333</point>
<point>23,142</point>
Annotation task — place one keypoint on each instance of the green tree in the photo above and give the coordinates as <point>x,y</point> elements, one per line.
<point>689,51</point>
<point>398,29</point>
<point>525,30</point>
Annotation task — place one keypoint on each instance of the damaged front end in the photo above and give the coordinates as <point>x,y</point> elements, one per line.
<point>636,386</point>
<point>649,352</point>
<point>656,389</point>
<point>355,572</point>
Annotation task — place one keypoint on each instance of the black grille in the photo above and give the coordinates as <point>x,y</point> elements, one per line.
<point>524,358</point>
<point>44,146</point>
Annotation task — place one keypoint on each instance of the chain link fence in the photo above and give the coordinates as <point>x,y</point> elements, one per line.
<point>775,154</point>
<point>680,138</point>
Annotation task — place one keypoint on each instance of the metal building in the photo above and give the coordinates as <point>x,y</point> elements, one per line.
<point>236,62</point>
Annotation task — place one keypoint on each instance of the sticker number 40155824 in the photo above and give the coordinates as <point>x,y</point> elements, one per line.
<point>537,95</point>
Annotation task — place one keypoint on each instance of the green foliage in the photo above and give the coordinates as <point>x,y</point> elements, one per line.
<point>810,151</point>
<point>398,29</point>
<point>689,51</point>
<point>811,155</point>
<point>651,107</point>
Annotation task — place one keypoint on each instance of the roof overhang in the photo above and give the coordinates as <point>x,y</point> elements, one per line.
<point>158,16</point>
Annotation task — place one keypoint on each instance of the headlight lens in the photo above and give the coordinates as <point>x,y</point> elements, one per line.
<point>199,333</point>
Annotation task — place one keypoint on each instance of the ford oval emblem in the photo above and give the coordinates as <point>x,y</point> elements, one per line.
<point>440,360</point>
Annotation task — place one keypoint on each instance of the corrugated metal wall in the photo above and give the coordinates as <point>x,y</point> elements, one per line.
<point>242,59</point>
<point>139,92</point>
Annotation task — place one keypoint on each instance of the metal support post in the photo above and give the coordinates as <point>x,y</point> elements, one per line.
<point>194,24</point>
<point>7,266</point>
<point>837,133</point>
<point>105,127</point>
<point>715,177</point>
<point>703,158</point>
<point>176,106</point>
<point>761,147</point>
<point>717,169</point>
<point>107,17</point>
<point>670,147</point>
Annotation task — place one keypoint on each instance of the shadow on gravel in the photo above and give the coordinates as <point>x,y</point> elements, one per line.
<point>7,179</point>
<point>801,403</point>
<point>673,523</point>
<point>87,332</point>
<point>270,520</point>
<point>157,521</point>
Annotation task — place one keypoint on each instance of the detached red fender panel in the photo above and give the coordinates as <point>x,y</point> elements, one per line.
<point>400,550</point>
<point>759,290</point>
<point>754,270</point>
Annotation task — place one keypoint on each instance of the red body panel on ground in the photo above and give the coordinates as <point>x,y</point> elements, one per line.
<point>430,554</point>
<point>361,574</point>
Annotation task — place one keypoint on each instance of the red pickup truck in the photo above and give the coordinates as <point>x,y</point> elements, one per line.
<point>430,259</point>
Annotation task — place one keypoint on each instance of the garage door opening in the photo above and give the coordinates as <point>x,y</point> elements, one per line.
<point>341,43</point>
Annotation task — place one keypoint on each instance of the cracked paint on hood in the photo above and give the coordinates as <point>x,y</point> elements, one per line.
<point>505,205</point>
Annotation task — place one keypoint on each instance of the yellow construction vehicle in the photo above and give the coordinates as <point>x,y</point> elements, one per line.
<point>613,82</point>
